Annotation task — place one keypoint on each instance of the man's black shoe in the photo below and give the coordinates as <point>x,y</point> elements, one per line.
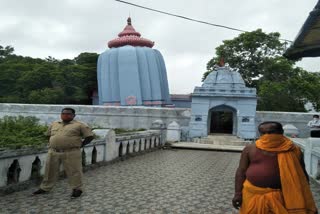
<point>39,191</point>
<point>76,193</point>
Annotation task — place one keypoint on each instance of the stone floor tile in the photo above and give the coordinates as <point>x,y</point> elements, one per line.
<point>165,181</point>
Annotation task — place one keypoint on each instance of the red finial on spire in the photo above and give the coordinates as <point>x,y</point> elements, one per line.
<point>129,36</point>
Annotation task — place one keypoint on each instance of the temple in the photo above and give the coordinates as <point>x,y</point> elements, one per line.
<point>223,104</point>
<point>131,73</point>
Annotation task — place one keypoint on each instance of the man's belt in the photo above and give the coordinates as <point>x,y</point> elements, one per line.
<point>64,150</point>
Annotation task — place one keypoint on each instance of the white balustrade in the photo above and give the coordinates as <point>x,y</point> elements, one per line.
<point>311,151</point>
<point>21,165</point>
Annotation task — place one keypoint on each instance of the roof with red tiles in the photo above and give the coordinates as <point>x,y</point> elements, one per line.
<point>129,36</point>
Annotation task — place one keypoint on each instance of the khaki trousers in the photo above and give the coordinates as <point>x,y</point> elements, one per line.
<point>72,165</point>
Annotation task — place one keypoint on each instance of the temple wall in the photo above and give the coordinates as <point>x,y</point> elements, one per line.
<point>298,119</point>
<point>139,117</point>
<point>102,116</point>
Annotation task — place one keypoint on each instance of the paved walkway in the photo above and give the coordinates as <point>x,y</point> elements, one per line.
<point>164,181</point>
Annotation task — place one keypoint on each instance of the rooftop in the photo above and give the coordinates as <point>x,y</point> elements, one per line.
<point>307,42</point>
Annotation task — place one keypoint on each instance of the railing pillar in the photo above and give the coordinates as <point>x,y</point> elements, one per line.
<point>307,155</point>
<point>111,148</point>
<point>315,144</point>
<point>161,126</point>
<point>173,132</point>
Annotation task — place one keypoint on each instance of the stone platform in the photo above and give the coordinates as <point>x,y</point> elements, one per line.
<point>203,146</point>
<point>218,142</point>
<point>222,139</point>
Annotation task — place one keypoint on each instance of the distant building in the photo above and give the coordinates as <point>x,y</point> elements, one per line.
<point>131,73</point>
<point>181,100</point>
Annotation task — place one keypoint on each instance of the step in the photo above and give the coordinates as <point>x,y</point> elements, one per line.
<point>222,140</point>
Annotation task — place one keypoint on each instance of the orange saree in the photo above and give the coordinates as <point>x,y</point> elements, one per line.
<point>295,195</point>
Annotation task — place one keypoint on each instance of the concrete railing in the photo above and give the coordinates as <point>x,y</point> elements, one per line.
<point>138,142</point>
<point>22,165</point>
<point>18,166</point>
<point>311,150</point>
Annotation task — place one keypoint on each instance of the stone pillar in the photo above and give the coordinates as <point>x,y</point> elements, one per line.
<point>161,126</point>
<point>111,147</point>
<point>315,143</point>
<point>173,132</point>
<point>311,161</point>
<point>290,130</point>
<point>307,155</point>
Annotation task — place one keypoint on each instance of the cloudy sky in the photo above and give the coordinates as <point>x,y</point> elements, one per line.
<point>64,28</point>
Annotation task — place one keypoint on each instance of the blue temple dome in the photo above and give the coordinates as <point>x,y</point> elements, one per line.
<point>223,81</point>
<point>131,72</point>
<point>224,77</point>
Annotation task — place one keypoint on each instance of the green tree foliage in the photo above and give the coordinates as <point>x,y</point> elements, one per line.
<point>46,95</point>
<point>47,81</point>
<point>281,86</point>
<point>18,132</point>
<point>6,51</point>
<point>249,52</point>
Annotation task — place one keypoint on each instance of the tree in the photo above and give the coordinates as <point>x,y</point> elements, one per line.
<point>281,86</point>
<point>87,59</point>
<point>12,67</point>
<point>29,80</point>
<point>46,95</point>
<point>6,51</point>
<point>87,64</point>
<point>248,53</point>
<point>308,83</point>
<point>52,60</point>
<point>279,96</point>
<point>35,79</point>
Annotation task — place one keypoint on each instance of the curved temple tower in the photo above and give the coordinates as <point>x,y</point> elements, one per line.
<point>131,72</point>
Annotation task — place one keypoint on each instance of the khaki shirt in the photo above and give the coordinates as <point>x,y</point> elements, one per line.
<point>67,135</point>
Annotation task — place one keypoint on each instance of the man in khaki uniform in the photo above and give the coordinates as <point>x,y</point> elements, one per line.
<point>64,146</point>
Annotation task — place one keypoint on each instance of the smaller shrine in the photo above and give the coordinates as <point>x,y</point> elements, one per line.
<point>223,104</point>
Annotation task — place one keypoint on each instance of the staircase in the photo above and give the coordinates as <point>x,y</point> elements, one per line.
<point>222,139</point>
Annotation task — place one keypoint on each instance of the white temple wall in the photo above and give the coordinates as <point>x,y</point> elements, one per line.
<point>101,116</point>
<point>139,117</point>
<point>242,107</point>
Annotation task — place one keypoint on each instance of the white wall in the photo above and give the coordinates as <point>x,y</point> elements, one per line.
<point>139,117</point>
<point>101,116</point>
<point>298,119</point>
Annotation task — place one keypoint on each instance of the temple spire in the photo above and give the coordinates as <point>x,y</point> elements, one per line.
<point>129,36</point>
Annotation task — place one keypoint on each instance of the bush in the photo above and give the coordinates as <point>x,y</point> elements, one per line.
<point>19,132</point>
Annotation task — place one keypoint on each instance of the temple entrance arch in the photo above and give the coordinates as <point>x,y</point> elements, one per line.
<point>222,119</point>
